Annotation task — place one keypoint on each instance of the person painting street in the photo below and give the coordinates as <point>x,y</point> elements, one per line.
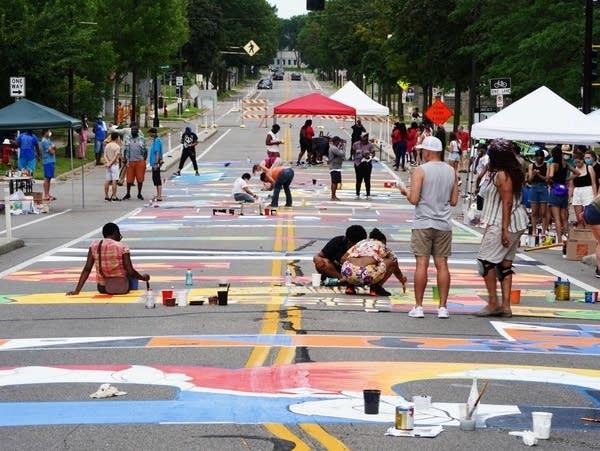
<point>434,191</point>
<point>276,178</point>
<point>336,159</point>
<point>189,140</point>
<point>241,191</point>
<point>328,262</point>
<point>505,219</point>
<point>48,162</point>
<point>155,160</point>
<point>111,258</point>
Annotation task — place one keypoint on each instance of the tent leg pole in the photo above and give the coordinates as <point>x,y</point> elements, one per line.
<point>7,214</point>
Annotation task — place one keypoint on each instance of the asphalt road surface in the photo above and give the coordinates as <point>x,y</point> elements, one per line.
<point>280,367</point>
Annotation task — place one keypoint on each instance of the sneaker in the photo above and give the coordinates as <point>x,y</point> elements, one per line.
<point>197,173</point>
<point>126,196</point>
<point>377,290</point>
<point>368,197</point>
<point>107,199</point>
<point>115,199</point>
<point>140,197</point>
<point>443,312</point>
<point>357,197</point>
<point>598,273</point>
<point>350,290</point>
<point>177,174</point>
<point>416,312</point>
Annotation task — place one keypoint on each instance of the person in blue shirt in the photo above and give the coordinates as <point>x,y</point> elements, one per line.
<point>48,162</point>
<point>100,132</point>
<point>155,159</point>
<point>29,149</point>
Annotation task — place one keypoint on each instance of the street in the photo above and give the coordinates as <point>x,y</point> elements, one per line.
<point>280,367</point>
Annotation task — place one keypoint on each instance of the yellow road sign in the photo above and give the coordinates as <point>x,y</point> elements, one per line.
<point>251,48</point>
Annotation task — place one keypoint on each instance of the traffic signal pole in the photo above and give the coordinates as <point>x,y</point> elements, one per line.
<point>587,58</point>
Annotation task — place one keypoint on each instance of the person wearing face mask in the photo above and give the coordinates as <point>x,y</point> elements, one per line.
<point>135,157</point>
<point>537,177</point>
<point>591,159</point>
<point>584,187</point>
<point>111,258</point>
<point>558,197</point>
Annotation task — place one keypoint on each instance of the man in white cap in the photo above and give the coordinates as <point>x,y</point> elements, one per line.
<point>434,191</point>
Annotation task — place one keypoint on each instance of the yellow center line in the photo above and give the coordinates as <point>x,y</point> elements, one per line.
<point>321,435</point>
<point>279,430</point>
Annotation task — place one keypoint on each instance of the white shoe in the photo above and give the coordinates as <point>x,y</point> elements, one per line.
<point>416,312</point>
<point>443,312</point>
<point>357,197</point>
<point>368,197</point>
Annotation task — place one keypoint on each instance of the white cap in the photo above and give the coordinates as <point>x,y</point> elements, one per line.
<point>6,141</point>
<point>431,143</point>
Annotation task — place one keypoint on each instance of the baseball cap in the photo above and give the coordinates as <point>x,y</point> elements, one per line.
<point>431,143</point>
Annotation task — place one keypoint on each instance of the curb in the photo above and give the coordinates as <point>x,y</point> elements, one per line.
<point>7,245</point>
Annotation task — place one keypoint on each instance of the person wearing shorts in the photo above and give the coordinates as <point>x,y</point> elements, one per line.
<point>434,191</point>
<point>502,234</point>
<point>336,158</point>
<point>537,176</point>
<point>591,214</point>
<point>111,157</point>
<point>135,154</point>
<point>155,160</point>
<point>48,162</point>
<point>584,187</point>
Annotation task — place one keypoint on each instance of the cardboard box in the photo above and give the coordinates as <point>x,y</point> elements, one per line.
<point>581,242</point>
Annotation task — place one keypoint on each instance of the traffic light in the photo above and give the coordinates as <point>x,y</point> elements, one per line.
<point>315,5</point>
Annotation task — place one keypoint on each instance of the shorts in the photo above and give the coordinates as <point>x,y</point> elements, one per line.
<point>561,202</point>
<point>27,163</point>
<point>156,178</point>
<point>49,170</point>
<point>491,248</point>
<point>363,275</point>
<point>112,173</point>
<point>591,216</point>
<point>426,242</point>
<point>538,193</point>
<point>136,171</point>
<point>336,177</point>
<point>454,156</point>
<point>582,195</point>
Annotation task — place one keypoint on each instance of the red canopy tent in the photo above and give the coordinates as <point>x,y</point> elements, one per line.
<point>314,104</point>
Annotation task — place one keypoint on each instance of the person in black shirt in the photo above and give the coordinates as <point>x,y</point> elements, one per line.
<point>357,130</point>
<point>188,141</point>
<point>328,261</point>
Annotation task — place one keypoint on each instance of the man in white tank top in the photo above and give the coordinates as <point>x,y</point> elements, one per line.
<point>434,192</point>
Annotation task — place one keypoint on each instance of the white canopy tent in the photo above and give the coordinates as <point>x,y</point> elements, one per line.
<point>540,116</point>
<point>367,109</point>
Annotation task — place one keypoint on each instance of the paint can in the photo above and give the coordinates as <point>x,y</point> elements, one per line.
<point>267,211</point>
<point>405,418</point>
<point>563,290</point>
<point>589,297</point>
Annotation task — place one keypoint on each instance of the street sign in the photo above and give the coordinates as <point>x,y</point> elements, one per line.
<point>438,112</point>
<point>499,101</point>
<point>179,81</point>
<point>164,67</point>
<point>251,48</point>
<point>17,86</point>
<point>500,86</point>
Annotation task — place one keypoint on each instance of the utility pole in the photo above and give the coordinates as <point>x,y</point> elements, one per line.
<point>588,56</point>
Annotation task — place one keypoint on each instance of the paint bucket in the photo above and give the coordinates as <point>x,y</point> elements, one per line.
<point>589,297</point>
<point>515,296</point>
<point>435,293</point>
<point>563,290</point>
<point>267,212</point>
<point>166,294</point>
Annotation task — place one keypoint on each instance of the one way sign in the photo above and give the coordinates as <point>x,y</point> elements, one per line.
<point>17,86</point>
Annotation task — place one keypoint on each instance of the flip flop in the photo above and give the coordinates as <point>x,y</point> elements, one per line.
<point>485,312</point>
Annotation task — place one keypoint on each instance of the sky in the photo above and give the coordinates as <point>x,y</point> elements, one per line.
<point>289,8</point>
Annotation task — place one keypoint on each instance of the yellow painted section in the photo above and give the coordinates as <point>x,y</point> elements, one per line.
<point>279,430</point>
<point>322,436</point>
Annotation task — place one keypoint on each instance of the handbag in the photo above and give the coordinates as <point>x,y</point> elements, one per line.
<point>112,285</point>
<point>559,189</point>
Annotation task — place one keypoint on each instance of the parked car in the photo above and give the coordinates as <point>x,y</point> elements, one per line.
<point>296,76</point>
<point>278,75</point>
<point>265,83</point>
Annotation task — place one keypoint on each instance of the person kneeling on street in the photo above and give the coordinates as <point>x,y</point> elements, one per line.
<point>112,260</point>
<point>328,262</point>
<point>370,262</point>
<point>241,192</point>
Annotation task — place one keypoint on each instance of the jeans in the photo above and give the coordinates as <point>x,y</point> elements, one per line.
<point>243,197</point>
<point>363,172</point>
<point>188,152</point>
<point>283,181</point>
<point>98,146</point>
<point>400,153</point>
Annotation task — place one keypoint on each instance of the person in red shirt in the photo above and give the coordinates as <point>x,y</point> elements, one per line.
<point>411,140</point>
<point>463,136</point>
<point>306,135</point>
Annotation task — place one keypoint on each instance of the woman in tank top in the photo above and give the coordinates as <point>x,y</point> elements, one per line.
<point>559,202</point>
<point>537,177</point>
<point>584,187</point>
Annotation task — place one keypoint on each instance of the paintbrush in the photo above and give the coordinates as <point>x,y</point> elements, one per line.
<point>470,412</point>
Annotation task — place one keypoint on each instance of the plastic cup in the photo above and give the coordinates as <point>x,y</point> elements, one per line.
<point>467,425</point>
<point>181,297</point>
<point>166,294</point>
<point>515,296</point>
<point>371,399</point>
<point>134,284</point>
<point>550,297</point>
<point>316,279</point>
<point>435,293</point>
<point>542,423</point>
<point>222,297</point>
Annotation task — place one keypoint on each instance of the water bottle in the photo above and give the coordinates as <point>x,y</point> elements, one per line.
<point>149,299</point>
<point>189,280</point>
<point>288,278</point>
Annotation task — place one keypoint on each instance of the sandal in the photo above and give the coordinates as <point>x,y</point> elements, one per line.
<point>506,314</point>
<point>485,312</point>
